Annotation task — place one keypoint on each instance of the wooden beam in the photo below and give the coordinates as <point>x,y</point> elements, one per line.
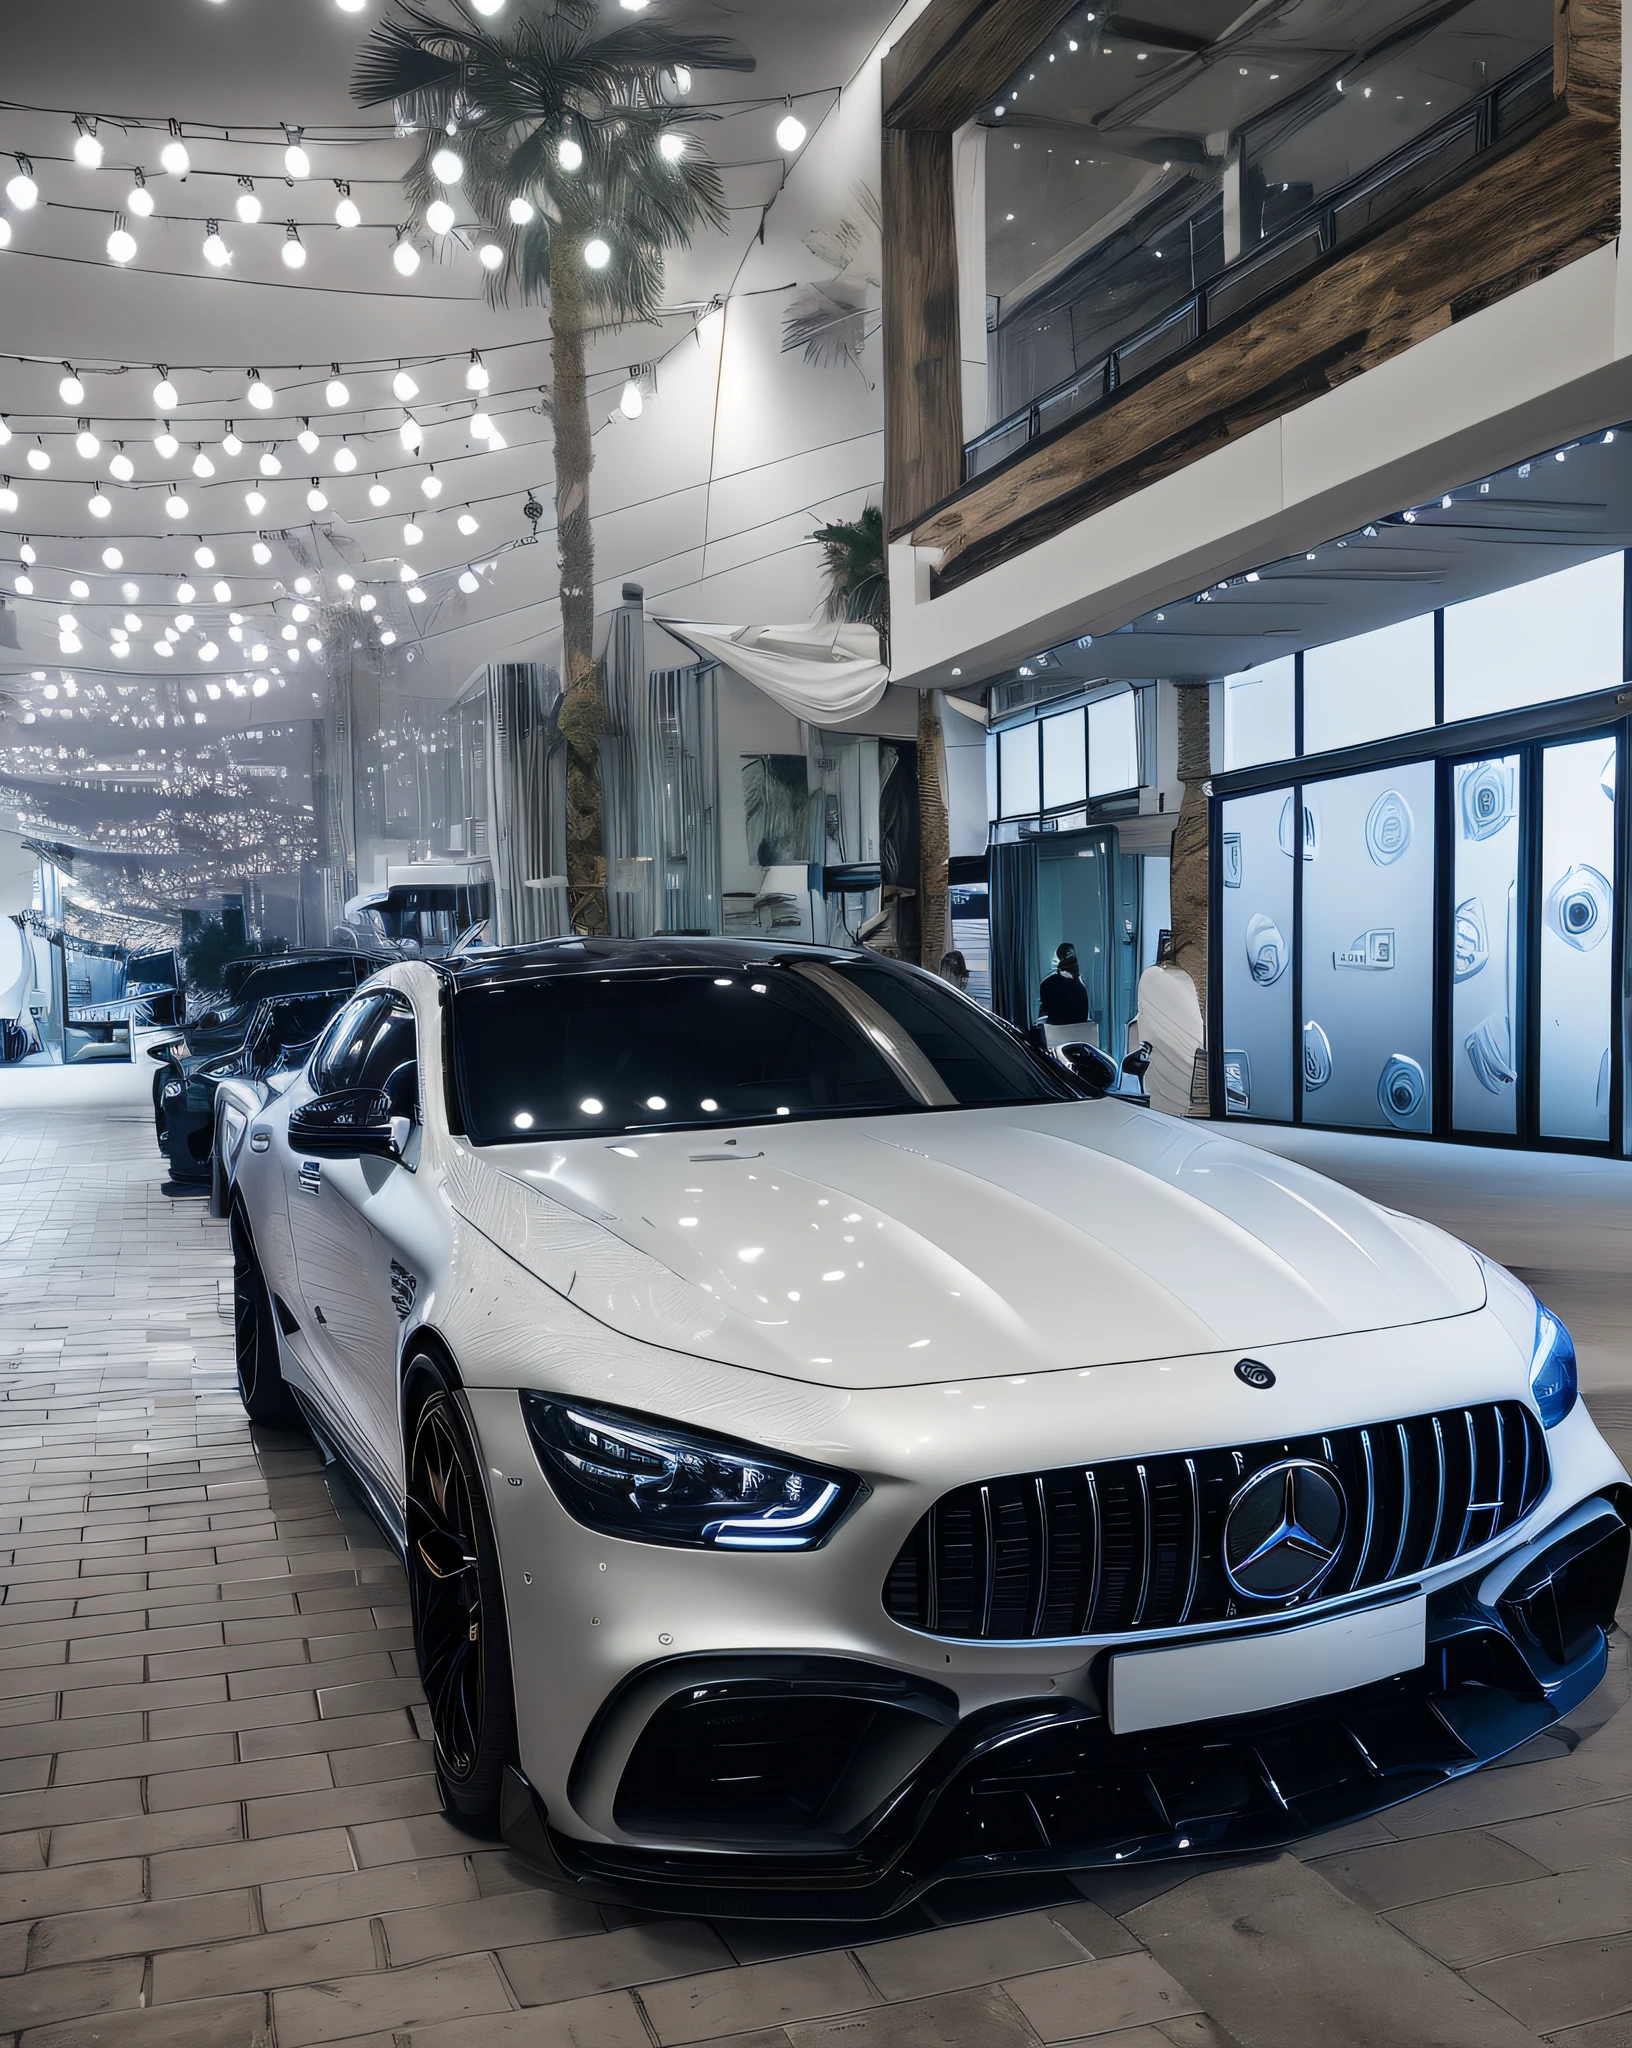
<point>923,376</point>
<point>957,53</point>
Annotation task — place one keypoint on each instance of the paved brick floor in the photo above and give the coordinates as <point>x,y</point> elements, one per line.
<point>218,1827</point>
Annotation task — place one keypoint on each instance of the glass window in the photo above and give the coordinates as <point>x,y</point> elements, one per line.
<point>1260,714</point>
<point>1369,687</point>
<point>1019,782</point>
<point>1485,813</point>
<point>391,1045</point>
<point>585,1055</point>
<point>1113,744</point>
<point>1558,636</point>
<point>1257,941</point>
<point>1368,949</point>
<point>339,1059</point>
<point>1577,919</point>
<point>1065,760</point>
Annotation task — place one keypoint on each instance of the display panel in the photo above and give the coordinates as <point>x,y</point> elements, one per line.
<point>1113,744</point>
<point>1557,636</point>
<point>1486,807</point>
<point>1260,714</point>
<point>1256,939</point>
<point>1019,784</point>
<point>1577,905</point>
<point>1065,760</point>
<point>1368,948</point>
<point>1369,687</point>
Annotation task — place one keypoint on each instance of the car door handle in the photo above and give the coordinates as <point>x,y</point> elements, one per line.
<point>311,1177</point>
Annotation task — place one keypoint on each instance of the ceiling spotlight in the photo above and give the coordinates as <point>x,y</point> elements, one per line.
<point>262,555</point>
<point>306,438</point>
<point>468,523</point>
<point>100,506</point>
<point>174,159</point>
<point>347,213</point>
<point>71,391</point>
<point>269,464</point>
<point>260,392</point>
<point>597,254</point>
<point>469,582</point>
<point>315,500</point>
<point>439,216</point>
<point>378,493</point>
<point>790,132</point>
<point>202,465</point>
<point>204,557</point>
<point>248,207</point>
<point>121,246</point>
<point>112,559</point>
<point>165,395</point>
<point>406,258</point>
<point>166,445</point>
<point>176,506</point>
<point>447,167</point>
<point>431,486</point>
<point>87,445</point>
<point>22,191</point>
<point>294,249</point>
<point>521,211</point>
<point>255,501</point>
<point>215,250</point>
<point>672,145</point>
<point>88,150</point>
<point>490,256</point>
<point>345,459</point>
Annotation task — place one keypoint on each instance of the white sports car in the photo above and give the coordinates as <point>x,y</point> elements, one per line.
<point>835,1449</point>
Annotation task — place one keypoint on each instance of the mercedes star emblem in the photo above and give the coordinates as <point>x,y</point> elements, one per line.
<point>1284,1530</point>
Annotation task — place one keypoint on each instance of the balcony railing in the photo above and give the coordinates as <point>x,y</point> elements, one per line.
<point>1349,213</point>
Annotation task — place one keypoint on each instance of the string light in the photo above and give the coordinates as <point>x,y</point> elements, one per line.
<point>204,556</point>
<point>87,446</point>
<point>248,206</point>
<point>260,393</point>
<point>412,534</point>
<point>174,159</point>
<point>315,500</point>
<point>447,167</point>
<point>255,501</point>
<point>345,459</point>
<point>403,387</point>
<point>138,200</point>
<point>347,213</point>
<point>215,250</point>
<point>522,211</point>
<point>307,439</point>
<point>165,443</point>
<point>165,395</point>
<point>431,486</point>
<point>21,189</point>
<point>294,250</point>
<point>411,435</point>
<point>491,256</point>
<point>335,392</point>
<point>100,506</point>
<point>121,246</point>
<point>469,583</point>
<point>378,494</point>
<point>439,216</point>
<point>632,404</point>
<point>295,160</point>
<point>202,465</point>
<point>71,391</point>
<point>230,444</point>
<point>569,155</point>
<point>406,258</point>
<point>790,132</point>
<point>269,464</point>
<point>88,149</point>
<point>176,506</point>
<point>597,254</point>
<point>468,523</point>
<point>261,554</point>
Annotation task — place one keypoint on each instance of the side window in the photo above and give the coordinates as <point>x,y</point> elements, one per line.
<point>338,1061</point>
<point>391,1061</point>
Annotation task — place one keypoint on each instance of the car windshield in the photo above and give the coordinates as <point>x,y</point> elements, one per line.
<point>580,1055</point>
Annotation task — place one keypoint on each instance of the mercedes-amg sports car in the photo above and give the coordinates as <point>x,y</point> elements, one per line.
<point>836,1449</point>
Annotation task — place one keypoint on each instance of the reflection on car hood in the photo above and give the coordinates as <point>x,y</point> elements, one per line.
<point>895,1250</point>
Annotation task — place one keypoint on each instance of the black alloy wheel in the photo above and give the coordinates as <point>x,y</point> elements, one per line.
<point>458,1609</point>
<point>261,1386</point>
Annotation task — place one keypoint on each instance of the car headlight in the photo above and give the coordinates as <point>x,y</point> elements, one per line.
<point>1552,1368</point>
<point>629,1475</point>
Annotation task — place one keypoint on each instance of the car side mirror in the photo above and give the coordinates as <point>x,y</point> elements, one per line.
<point>1097,1069</point>
<point>1137,1063</point>
<point>355,1123</point>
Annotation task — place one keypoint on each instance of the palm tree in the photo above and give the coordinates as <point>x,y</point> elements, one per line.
<point>858,588</point>
<point>577,131</point>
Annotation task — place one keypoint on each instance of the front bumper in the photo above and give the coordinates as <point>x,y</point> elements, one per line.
<point>1043,1784</point>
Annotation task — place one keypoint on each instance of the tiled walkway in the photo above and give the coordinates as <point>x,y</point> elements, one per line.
<point>218,1827</point>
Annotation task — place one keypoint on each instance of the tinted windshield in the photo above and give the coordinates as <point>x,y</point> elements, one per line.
<point>579,1055</point>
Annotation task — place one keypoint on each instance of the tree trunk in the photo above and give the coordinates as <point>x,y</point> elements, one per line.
<point>934,840</point>
<point>580,715</point>
<point>1189,872</point>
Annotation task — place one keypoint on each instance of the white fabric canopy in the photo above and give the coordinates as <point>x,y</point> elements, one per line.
<point>823,673</point>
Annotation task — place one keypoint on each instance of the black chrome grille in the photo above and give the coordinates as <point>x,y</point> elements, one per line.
<point>1138,1543</point>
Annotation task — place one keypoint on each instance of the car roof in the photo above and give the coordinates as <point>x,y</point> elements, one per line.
<point>501,966</point>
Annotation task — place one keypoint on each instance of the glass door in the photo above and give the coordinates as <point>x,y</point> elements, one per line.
<point>1486,950</point>
<point>1576,953</point>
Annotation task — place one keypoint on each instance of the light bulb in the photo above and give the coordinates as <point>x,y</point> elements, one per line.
<point>296,162</point>
<point>248,208</point>
<point>176,506</point>
<point>270,465</point>
<point>488,6</point>
<point>204,557</point>
<point>597,254</point>
<point>290,633</point>
<point>300,613</point>
<point>315,500</point>
<point>480,426</point>
<point>347,213</point>
<point>294,250</point>
<point>112,559</point>
<point>222,593</point>
<point>447,166</point>
<point>439,216</point>
<point>366,601</point>
<point>569,154</point>
<point>230,443</point>
<point>378,494</point>
<point>345,460</point>
<point>215,250</point>
<point>672,145</point>
<point>335,393</point>
<point>406,258</point>
<point>682,79</point>
<point>185,593</point>
<point>22,192</point>
<point>345,580</point>
<point>166,445</point>
<point>631,404</point>
<point>174,158</point>
<point>410,436</point>
<point>121,246</point>
<point>490,256</point>
<point>404,387</point>
<point>307,440</point>
<point>416,594</point>
<point>260,395</point>
<point>476,377</point>
<point>38,459</point>
<point>71,391</point>
<point>790,132</point>
<point>87,445</point>
<point>78,588</point>
<point>469,524</point>
<point>521,211</point>
<point>8,498</point>
<point>407,573</point>
<point>469,583</point>
<point>262,555</point>
<point>165,396</point>
<point>122,468</point>
<point>388,638</point>
<point>26,553</point>
<point>88,151</point>
<point>431,486</point>
<point>255,502</point>
<point>202,465</point>
<point>412,535</point>
<point>100,506</point>
<point>139,201</point>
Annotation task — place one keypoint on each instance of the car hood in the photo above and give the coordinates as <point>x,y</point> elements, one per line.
<point>887,1251</point>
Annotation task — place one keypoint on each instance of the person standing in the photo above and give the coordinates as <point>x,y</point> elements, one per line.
<point>1063,999</point>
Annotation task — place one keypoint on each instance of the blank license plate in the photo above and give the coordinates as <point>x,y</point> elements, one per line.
<point>1248,1674</point>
